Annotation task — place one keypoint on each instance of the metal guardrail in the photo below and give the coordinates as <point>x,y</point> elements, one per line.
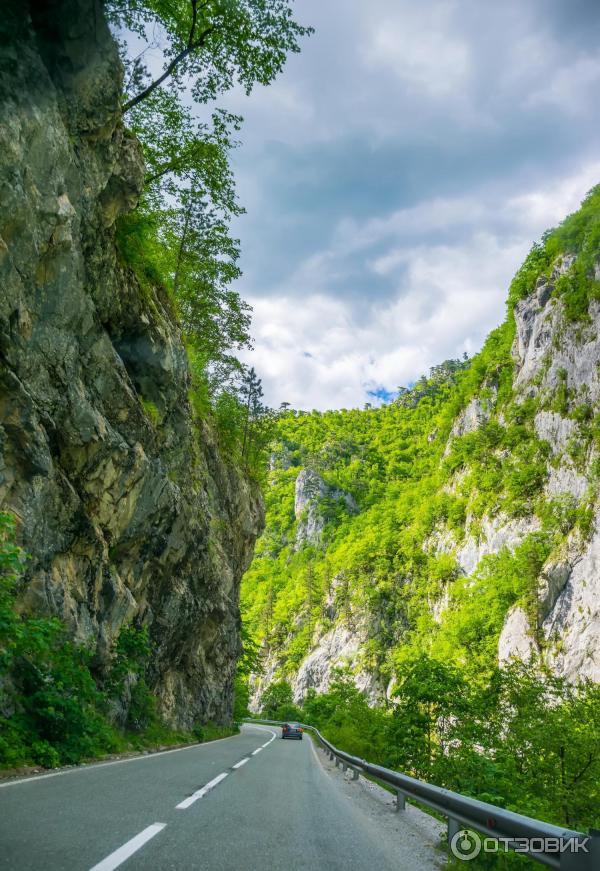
<point>553,846</point>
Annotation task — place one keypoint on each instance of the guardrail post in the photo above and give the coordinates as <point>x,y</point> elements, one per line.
<point>355,773</point>
<point>453,827</point>
<point>344,767</point>
<point>400,801</point>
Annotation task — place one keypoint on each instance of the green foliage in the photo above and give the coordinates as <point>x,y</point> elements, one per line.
<point>203,732</point>
<point>249,663</point>
<point>277,702</point>
<point>578,235</point>
<point>578,288</point>
<point>151,410</point>
<point>126,676</point>
<point>468,635</point>
<point>139,246</point>
<point>439,381</point>
<point>523,740</point>
<point>60,703</point>
<point>178,239</point>
<point>131,653</point>
<point>56,708</point>
<point>346,719</point>
<point>212,45</point>
<point>45,679</point>
<point>535,265</point>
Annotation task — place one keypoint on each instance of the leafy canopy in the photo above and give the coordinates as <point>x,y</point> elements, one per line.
<point>179,237</point>
<point>212,44</point>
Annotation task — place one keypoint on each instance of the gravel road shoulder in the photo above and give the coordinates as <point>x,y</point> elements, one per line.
<point>414,829</point>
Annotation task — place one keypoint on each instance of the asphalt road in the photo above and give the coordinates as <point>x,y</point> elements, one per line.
<point>244,803</point>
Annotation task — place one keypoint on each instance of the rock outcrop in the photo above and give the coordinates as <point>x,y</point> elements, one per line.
<point>340,646</point>
<point>125,502</point>
<point>335,645</point>
<point>472,417</point>
<point>571,628</point>
<point>551,353</point>
<point>310,492</point>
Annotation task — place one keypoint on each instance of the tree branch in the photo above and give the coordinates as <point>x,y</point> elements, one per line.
<point>191,45</point>
<point>176,163</point>
<point>582,771</point>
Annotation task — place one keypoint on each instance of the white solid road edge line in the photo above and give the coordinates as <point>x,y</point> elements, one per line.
<point>241,762</point>
<point>187,802</point>
<point>119,856</point>
<point>92,766</point>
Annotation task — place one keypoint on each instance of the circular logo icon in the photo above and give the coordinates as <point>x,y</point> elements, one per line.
<point>465,845</point>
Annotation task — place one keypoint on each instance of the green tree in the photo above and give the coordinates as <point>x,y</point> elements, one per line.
<point>268,610</point>
<point>212,44</point>
<point>179,236</point>
<point>427,697</point>
<point>345,717</point>
<point>12,562</point>
<point>249,663</point>
<point>258,422</point>
<point>546,741</point>
<point>277,702</point>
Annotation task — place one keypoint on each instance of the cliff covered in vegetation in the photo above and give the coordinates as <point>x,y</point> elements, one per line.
<point>138,519</point>
<point>459,522</point>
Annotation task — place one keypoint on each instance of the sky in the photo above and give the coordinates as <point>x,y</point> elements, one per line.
<point>395,176</point>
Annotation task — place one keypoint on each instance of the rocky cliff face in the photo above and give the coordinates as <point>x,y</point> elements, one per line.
<point>336,643</point>
<point>126,504</point>
<point>554,355</point>
<point>310,493</point>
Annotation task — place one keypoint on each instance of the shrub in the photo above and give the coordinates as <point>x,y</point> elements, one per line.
<point>59,708</point>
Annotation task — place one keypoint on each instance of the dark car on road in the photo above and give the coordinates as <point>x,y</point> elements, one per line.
<point>291,730</point>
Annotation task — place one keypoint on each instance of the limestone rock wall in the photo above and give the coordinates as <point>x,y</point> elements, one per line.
<point>311,490</point>
<point>549,353</point>
<point>126,504</point>
<point>552,354</point>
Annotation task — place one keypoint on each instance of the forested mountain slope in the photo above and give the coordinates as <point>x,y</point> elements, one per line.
<point>459,520</point>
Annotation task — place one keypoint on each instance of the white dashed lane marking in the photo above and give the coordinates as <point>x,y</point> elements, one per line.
<point>128,849</point>
<point>123,853</point>
<point>187,802</point>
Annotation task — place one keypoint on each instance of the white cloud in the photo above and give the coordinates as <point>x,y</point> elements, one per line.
<point>418,46</point>
<point>318,350</point>
<point>476,129</point>
<point>570,87</point>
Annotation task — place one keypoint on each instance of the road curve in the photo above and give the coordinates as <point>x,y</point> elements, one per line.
<point>248,802</point>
